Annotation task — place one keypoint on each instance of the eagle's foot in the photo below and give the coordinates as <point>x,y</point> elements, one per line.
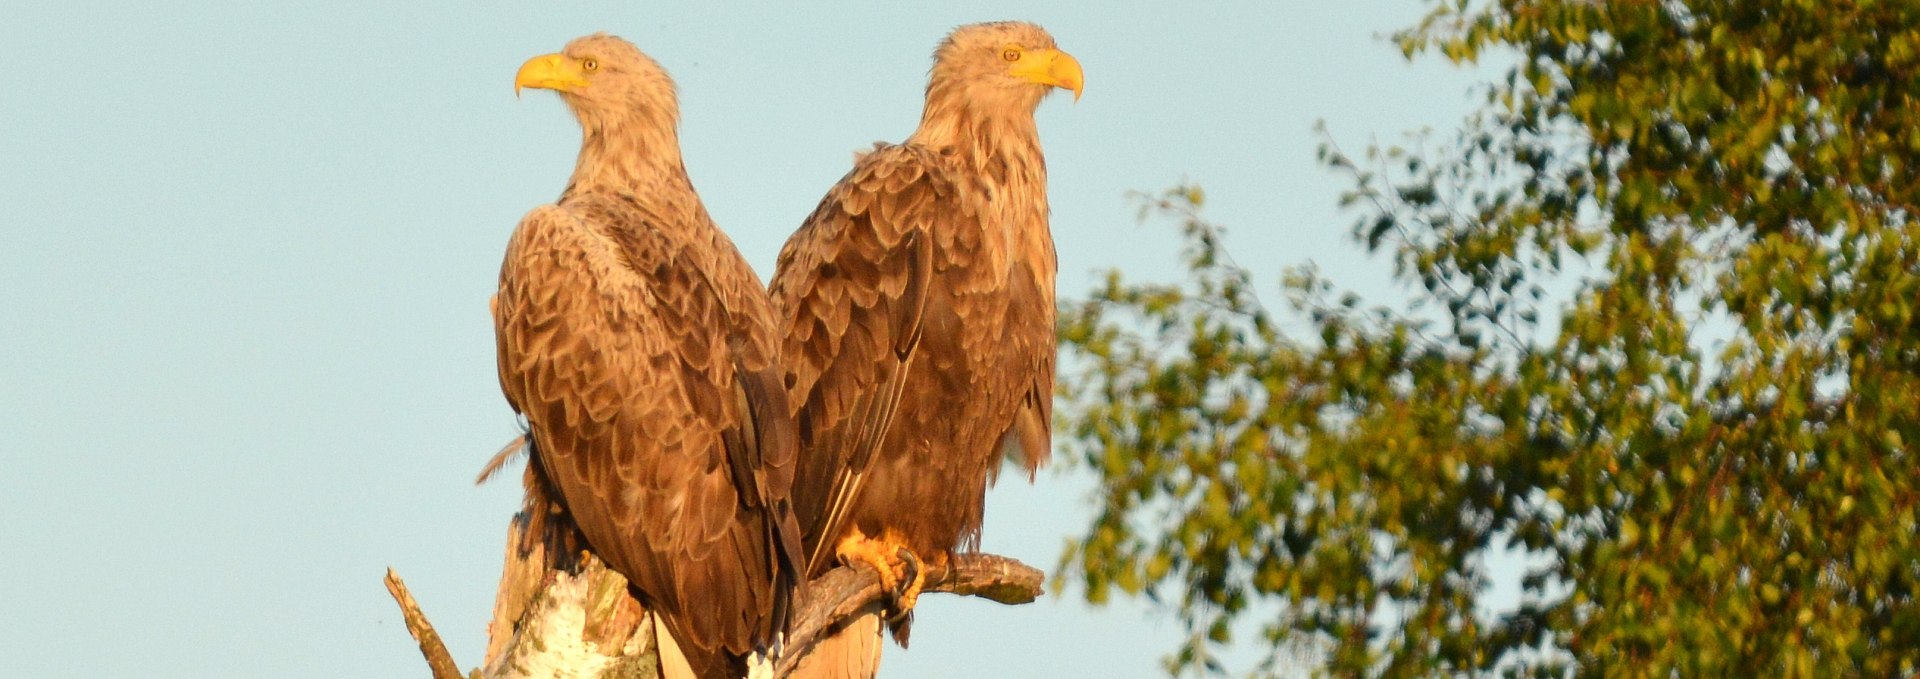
<point>901,572</point>
<point>908,594</point>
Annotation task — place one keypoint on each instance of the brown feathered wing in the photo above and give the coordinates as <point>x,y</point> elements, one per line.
<point>642,357</point>
<point>852,287</point>
<point>919,348</point>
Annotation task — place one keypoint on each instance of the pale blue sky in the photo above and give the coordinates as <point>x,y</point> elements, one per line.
<point>247,249</point>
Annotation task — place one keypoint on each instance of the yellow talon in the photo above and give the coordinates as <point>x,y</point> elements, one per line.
<point>910,595</point>
<point>856,547</point>
<point>891,560</point>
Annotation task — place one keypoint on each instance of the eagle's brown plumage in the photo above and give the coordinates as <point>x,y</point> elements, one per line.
<point>919,313</point>
<point>642,351</point>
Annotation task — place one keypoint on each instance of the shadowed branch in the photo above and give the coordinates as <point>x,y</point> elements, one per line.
<point>849,592</point>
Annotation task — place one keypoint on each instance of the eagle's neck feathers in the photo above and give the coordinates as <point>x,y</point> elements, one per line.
<point>990,137</point>
<point>978,126</point>
<point>626,154</point>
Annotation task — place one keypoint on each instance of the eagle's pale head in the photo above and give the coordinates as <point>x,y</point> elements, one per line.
<point>603,78</point>
<point>1005,63</point>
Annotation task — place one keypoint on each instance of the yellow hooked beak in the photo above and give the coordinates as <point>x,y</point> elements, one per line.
<point>555,72</point>
<point>1051,67</point>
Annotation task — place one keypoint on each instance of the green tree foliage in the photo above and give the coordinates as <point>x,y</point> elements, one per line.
<point>1661,341</point>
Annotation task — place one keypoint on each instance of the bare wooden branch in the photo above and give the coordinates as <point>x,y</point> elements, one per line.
<point>848,592</point>
<point>435,650</point>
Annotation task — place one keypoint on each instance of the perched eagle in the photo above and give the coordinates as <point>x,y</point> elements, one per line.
<point>644,354</point>
<point>919,317</point>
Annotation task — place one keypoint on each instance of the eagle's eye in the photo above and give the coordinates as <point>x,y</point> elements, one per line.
<point>590,64</point>
<point>1011,54</point>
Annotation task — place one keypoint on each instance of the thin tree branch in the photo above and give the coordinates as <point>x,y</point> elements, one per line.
<point>848,592</point>
<point>438,659</point>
